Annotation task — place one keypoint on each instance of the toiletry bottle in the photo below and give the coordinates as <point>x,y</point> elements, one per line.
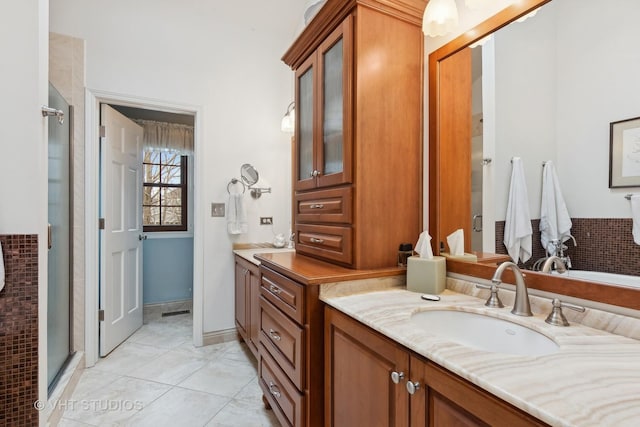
<point>404,252</point>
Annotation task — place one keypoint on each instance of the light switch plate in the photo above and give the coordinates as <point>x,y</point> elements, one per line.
<point>217,209</point>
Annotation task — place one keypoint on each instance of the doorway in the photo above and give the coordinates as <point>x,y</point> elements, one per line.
<point>95,100</point>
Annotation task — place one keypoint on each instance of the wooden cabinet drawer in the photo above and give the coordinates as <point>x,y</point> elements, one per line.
<point>283,339</point>
<point>329,206</point>
<point>283,293</point>
<point>285,400</point>
<point>325,241</point>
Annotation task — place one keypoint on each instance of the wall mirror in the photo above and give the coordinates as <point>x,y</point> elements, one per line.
<point>566,83</point>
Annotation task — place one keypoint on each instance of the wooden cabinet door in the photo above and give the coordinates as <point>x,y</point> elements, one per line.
<point>242,299</point>
<point>444,399</point>
<point>359,390</point>
<point>335,81</point>
<point>324,113</point>
<point>306,128</point>
<point>254,311</point>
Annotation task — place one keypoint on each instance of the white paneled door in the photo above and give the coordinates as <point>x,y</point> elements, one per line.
<point>121,236</point>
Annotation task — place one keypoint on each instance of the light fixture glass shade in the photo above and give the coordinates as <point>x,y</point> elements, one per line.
<point>440,17</point>
<point>288,123</point>
<point>477,4</point>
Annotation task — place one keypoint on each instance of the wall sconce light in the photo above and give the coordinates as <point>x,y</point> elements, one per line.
<point>289,120</point>
<point>440,17</point>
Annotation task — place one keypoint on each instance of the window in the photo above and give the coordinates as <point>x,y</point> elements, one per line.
<point>164,201</point>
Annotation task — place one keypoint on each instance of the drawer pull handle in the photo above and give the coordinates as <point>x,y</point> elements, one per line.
<point>273,389</point>
<point>274,335</point>
<point>274,289</point>
<point>317,206</point>
<point>315,240</point>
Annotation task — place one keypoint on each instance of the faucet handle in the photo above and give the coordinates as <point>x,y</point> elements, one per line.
<point>556,317</point>
<point>494,299</point>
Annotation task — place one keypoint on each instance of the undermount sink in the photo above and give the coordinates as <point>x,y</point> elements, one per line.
<point>484,332</point>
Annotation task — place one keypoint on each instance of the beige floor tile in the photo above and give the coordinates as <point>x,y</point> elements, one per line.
<point>224,377</point>
<point>116,402</point>
<point>170,368</point>
<point>128,357</point>
<point>245,414</point>
<point>178,407</point>
<point>92,379</point>
<point>65,422</point>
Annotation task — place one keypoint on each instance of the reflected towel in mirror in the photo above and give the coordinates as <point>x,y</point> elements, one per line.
<point>555,222</point>
<point>236,215</point>
<point>1,268</point>
<point>635,215</point>
<point>517,227</point>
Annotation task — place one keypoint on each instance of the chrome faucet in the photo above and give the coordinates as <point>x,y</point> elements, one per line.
<point>554,260</point>
<point>521,306</point>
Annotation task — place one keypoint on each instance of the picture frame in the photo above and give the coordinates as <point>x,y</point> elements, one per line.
<point>624,153</point>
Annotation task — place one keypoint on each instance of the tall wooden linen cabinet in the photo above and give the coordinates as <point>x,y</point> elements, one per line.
<point>358,141</point>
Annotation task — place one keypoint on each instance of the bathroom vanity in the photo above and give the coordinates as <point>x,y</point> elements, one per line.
<point>381,365</point>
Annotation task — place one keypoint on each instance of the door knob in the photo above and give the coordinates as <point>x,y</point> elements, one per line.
<point>396,377</point>
<point>142,237</point>
<point>413,387</point>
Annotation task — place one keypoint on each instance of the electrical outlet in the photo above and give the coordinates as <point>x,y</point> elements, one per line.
<point>217,209</point>
<point>266,220</point>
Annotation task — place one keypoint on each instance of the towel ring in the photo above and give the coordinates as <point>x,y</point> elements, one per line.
<point>235,181</point>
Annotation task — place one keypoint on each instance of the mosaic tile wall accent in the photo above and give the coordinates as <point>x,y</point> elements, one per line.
<point>19,331</point>
<point>604,244</point>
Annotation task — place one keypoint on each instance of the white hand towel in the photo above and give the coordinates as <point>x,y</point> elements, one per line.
<point>555,222</point>
<point>236,215</point>
<point>517,228</point>
<point>1,268</point>
<point>635,215</point>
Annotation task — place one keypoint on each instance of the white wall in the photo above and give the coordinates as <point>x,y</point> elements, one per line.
<point>23,138</point>
<point>224,59</point>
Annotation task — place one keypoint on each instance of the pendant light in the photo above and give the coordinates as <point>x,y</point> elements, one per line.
<point>440,17</point>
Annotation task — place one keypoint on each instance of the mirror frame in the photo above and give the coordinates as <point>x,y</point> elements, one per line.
<point>603,293</point>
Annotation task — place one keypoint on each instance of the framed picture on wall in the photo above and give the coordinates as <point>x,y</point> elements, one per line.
<point>624,153</point>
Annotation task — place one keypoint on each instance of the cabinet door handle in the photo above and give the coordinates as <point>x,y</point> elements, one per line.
<point>413,387</point>
<point>315,240</point>
<point>273,389</point>
<point>317,206</point>
<point>396,377</point>
<point>275,290</point>
<point>274,335</point>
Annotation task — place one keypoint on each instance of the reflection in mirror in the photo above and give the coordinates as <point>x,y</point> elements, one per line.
<point>583,54</point>
<point>249,174</point>
<point>555,84</point>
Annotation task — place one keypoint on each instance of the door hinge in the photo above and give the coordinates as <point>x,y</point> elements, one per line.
<point>100,223</point>
<point>103,131</point>
<point>101,315</point>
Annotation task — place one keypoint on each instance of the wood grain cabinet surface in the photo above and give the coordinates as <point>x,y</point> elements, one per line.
<point>358,141</point>
<point>247,303</point>
<point>366,384</point>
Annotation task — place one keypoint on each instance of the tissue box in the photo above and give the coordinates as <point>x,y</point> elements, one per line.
<point>466,257</point>
<point>426,275</point>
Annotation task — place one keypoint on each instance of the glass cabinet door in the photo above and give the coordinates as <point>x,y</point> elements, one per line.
<point>332,124</point>
<point>305,127</point>
<point>323,142</point>
<point>333,159</point>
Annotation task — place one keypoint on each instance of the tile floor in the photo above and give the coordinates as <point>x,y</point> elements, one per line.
<point>158,378</point>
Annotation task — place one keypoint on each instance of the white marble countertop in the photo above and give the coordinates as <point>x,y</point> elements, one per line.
<point>249,253</point>
<point>593,380</point>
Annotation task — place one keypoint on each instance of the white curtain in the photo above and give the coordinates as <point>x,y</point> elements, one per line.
<point>167,136</point>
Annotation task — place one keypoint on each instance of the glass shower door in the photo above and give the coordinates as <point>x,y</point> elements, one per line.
<point>60,254</point>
